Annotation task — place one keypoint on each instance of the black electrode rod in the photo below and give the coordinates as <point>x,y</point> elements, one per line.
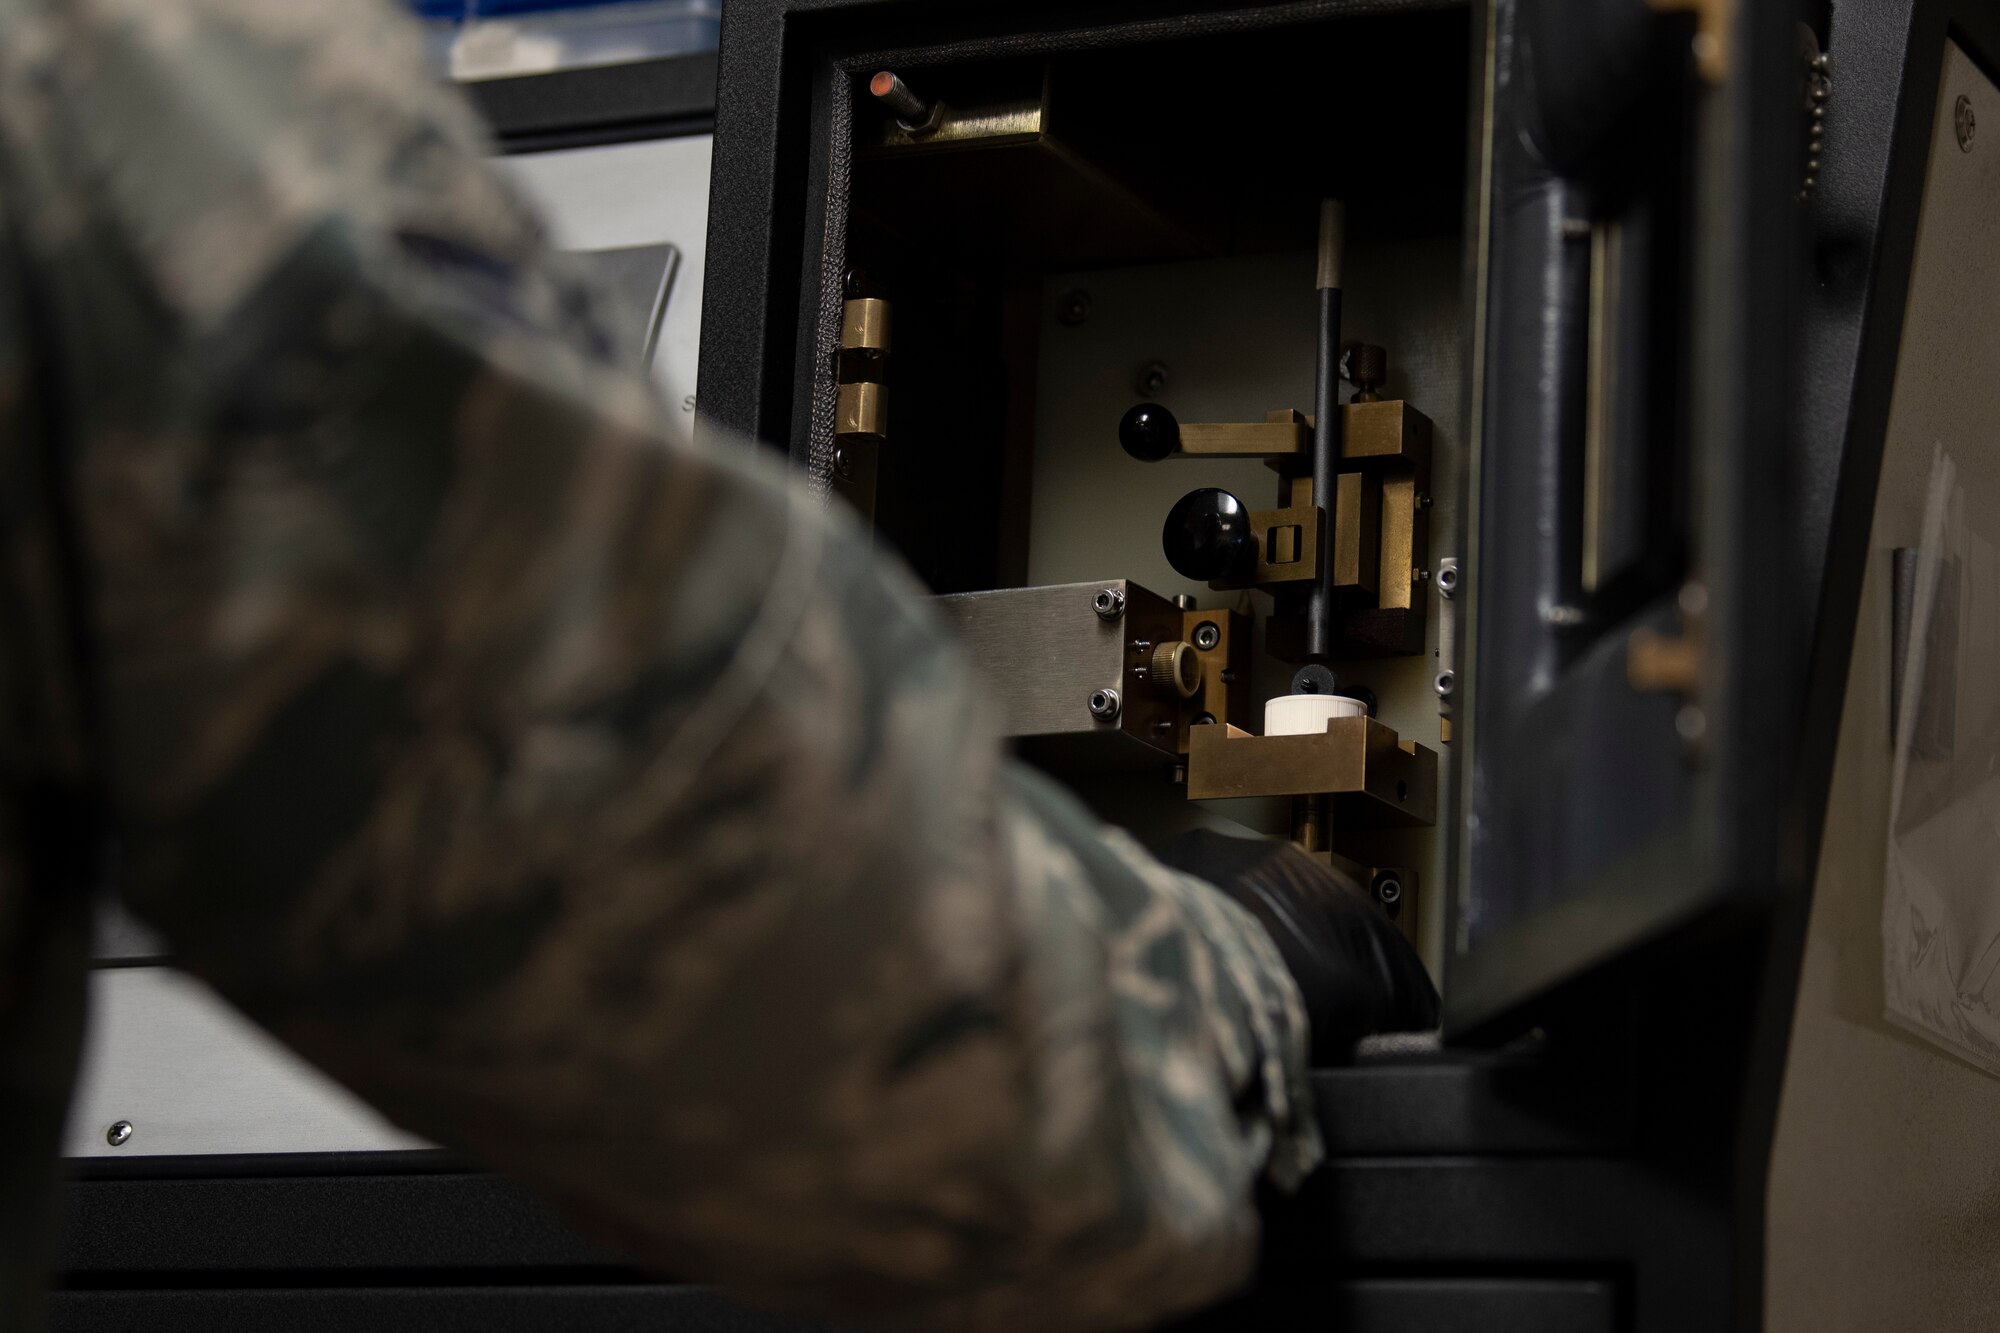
<point>1326,424</point>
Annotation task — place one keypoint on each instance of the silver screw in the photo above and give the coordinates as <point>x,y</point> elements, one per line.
<point>119,1132</point>
<point>1074,309</point>
<point>1109,603</point>
<point>1445,683</point>
<point>1104,704</point>
<point>1389,890</point>
<point>1448,576</point>
<point>1151,379</point>
<point>1963,121</point>
<point>1207,635</point>
<point>1563,617</point>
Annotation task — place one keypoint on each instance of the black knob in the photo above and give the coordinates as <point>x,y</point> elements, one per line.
<point>1208,537</point>
<point>1149,433</point>
<point>1315,678</point>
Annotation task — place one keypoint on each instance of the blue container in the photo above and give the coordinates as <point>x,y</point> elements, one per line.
<point>479,39</point>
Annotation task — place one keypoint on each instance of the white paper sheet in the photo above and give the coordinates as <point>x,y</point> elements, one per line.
<point>1941,899</point>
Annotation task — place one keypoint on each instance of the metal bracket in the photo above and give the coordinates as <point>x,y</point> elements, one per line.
<point>1373,777</point>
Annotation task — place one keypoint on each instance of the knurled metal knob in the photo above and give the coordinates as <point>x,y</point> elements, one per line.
<point>1175,671</point>
<point>1367,369</point>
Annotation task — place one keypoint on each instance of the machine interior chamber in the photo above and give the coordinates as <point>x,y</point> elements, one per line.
<point>1042,238</point>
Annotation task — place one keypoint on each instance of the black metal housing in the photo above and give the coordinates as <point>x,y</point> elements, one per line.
<point>1597,817</point>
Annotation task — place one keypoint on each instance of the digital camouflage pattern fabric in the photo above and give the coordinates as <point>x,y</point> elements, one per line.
<point>586,800</point>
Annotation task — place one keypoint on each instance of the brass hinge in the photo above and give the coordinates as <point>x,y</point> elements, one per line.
<point>1670,663</point>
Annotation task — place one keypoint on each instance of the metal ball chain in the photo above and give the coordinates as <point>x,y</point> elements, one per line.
<point>1819,86</point>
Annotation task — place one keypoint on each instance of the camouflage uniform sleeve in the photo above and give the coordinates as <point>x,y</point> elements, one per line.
<point>587,800</point>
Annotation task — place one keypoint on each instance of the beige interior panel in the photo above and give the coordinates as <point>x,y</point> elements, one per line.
<point>1885,1183</point>
<point>1237,339</point>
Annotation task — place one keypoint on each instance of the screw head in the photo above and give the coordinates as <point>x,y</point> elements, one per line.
<point>119,1133</point>
<point>843,462</point>
<point>1109,603</point>
<point>1207,635</point>
<point>1074,308</point>
<point>1963,122</point>
<point>1104,704</point>
<point>1388,890</point>
<point>1560,617</point>
<point>1152,378</point>
<point>1447,579</point>
<point>1446,682</point>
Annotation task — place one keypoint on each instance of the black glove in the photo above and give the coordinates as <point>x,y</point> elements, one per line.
<point>1356,971</point>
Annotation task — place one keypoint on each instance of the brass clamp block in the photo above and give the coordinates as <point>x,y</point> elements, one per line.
<point>1287,542</point>
<point>1383,431</point>
<point>1380,525</point>
<point>1371,776</point>
<point>1376,519</point>
<point>1220,640</point>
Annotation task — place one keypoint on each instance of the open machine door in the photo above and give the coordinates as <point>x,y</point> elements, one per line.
<point>1628,664</point>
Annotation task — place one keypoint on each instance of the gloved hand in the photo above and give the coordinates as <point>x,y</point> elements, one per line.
<point>1356,971</point>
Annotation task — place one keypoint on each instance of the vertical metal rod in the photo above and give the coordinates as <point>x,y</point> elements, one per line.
<point>1309,822</point>
<point>1326,423</point>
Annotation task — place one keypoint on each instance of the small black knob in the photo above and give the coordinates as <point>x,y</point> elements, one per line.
<point>1149,433</point>
<point>1315,678</point>
<point>1208,537</point>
